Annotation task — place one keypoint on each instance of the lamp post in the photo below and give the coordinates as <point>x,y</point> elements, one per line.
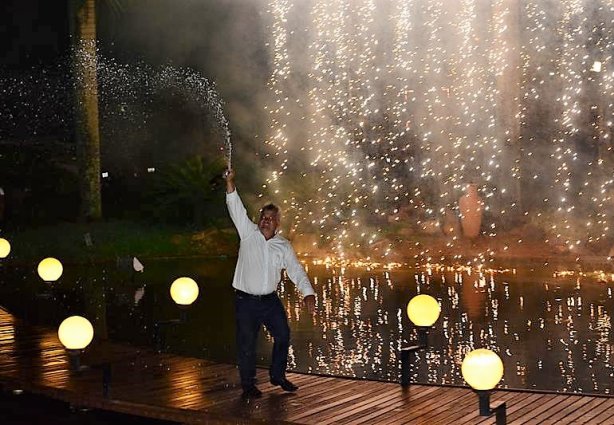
<point>5,248</point>
<point>482,369</point>
<point>50,269</point>
<point>423,311</point>
<point>75,333</point>
<point>184,292</point>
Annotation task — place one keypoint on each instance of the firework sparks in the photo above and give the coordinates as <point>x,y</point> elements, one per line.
<point>401,105</point>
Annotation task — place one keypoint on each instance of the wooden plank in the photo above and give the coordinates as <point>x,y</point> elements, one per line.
<point>329,402</point>
<point>407,397</point>
<point>463,405</point>
<point>471,416</point>
<point>427,407</point>
<point>378,398</point>
<point>606,417</point>
<point>189,390</point>
<point>517,410</point>
<point>536,408</point>
<point>367,390</point>
<point>594,403</point>
<point>465,409</point>
<point>519,403</point>
<point>417,396</point>
<point>558,413</point>
<point>591,417</point>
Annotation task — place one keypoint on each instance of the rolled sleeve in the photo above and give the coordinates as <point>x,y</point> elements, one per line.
<point>296,273</point>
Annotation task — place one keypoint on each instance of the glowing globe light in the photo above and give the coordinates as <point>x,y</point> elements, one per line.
<point>423,310</point>
<point>75,333</point>
<point>184,291</point>
<point>5,248</point>
<point>482,369</point>
<point>50,269</point>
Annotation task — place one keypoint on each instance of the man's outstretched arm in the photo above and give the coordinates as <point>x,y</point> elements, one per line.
<point>297,274</point>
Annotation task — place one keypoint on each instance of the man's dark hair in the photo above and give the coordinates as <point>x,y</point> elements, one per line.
<point>270,207</point>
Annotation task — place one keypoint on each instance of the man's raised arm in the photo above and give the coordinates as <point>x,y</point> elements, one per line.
<point>237,211</point>
<point>230,180</point>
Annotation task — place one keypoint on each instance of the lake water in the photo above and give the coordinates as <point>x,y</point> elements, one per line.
<point>553,332</point>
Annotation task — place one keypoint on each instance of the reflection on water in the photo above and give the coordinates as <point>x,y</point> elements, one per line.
<point>553,333</point>
<point>552,330</point>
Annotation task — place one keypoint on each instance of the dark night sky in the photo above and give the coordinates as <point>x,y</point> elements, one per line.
<point>32,32</point>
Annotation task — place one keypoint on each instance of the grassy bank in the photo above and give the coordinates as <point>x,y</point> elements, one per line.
<point>122,238</point>
<point>106,241</point>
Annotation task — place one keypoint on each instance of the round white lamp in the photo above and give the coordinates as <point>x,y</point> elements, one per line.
<point>184,291</point>
<point>75,333</point>
<point>482,369</point>
<point>50,269</point>
<point>5,248</point>
<point>423,310</point>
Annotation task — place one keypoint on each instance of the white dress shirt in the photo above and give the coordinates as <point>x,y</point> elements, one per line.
<point>258,270</point>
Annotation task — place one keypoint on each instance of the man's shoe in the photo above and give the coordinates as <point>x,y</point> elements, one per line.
<point>251,392</point>
<point>284,384</point>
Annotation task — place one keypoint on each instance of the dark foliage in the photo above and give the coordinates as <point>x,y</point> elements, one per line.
<point>185,192</point>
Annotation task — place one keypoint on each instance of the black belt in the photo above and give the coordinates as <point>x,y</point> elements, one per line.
<point>256,297</point>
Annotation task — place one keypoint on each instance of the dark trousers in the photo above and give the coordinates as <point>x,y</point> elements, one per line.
<point>252,312</point>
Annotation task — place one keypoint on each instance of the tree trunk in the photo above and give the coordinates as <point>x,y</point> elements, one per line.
<point>87,134</point>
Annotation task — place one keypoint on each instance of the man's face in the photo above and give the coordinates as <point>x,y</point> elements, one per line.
<point>268,223</point>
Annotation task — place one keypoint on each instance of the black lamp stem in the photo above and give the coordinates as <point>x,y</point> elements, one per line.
<point>501,414</point>
<point>406,352</point>
<point>423,336</point>
<point>484,397</point>
<point>500,411</point>
<point>74,360</point>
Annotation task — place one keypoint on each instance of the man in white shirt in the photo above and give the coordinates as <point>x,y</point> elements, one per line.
<point>262,256</point>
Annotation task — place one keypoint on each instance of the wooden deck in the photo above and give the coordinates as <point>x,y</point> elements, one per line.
<point>189,390</point>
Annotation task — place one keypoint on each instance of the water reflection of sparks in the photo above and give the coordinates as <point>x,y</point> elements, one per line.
<point>366,264</point>
<point>600,275</point>
<point>468,269</point>
<point>552,335</point>
<point>430,268</point>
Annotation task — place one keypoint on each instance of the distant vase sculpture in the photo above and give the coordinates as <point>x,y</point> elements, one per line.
<point>471,208</point>
<point>450,223</point>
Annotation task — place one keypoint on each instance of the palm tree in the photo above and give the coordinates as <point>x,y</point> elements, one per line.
<point>82,15</point>
<point>185,190</point>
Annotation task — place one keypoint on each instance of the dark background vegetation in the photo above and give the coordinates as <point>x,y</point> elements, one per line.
<point>38,163</point>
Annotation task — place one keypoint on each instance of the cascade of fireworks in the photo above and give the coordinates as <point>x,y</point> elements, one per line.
<point>399,106</point>
<point>572,68</point>
<point>605,120</point>
<point>575,67</point>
